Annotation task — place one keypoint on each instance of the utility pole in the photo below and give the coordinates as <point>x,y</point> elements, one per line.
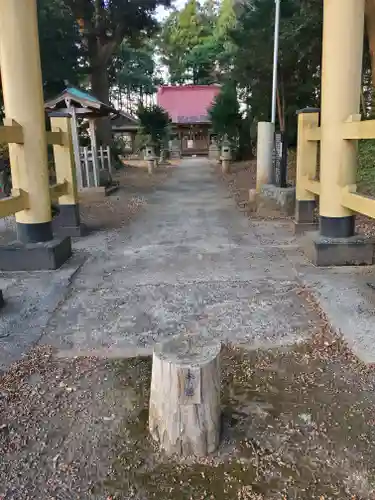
<point>275,61</point>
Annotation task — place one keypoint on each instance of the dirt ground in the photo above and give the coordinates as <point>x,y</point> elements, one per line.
<point>118,209</point>
<point>297,424</point>
<point>114,211</point>
<point>243,177</point>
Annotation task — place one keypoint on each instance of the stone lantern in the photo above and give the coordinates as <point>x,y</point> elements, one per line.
<point>150,156</point>
<point>226,155</point>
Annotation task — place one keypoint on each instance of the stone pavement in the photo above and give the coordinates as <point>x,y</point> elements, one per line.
<point>190,260</point>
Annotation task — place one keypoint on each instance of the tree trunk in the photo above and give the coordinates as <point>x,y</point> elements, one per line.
<point>100,89</point>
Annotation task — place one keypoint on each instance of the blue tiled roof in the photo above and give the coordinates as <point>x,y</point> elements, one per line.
<point>80,94</point>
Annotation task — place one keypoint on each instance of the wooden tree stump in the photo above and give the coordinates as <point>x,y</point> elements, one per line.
<point>185,395</point>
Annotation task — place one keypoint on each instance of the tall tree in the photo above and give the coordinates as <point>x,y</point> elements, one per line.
<point>299,61</point>
<point>186,45</point>
<point>104,25</point>
<point>59,46</point>
<point>226,22</point>
<point>59,41</point>
<point>225,113</point>
<point>134,78</point>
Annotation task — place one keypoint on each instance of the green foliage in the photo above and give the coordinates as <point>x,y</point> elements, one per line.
<point>154,123</point>
<point>366,167</point>
<point>187,45</point>
<point>104,25</point>
<point>199,61</point>
<point>59,46</point>
<point>225,114</point>
<point>299,56</point>
<point>135,68</point>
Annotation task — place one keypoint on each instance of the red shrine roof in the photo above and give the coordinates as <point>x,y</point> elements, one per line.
<point>187,103</point>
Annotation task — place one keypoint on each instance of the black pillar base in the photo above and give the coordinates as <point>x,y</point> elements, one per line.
<point>35,256</point>
<point>305,217</point>
<point>34,233</point>
<point>68,222</point>
<point>2,302</point>
<point>355,250</point>
<point>337,227</point>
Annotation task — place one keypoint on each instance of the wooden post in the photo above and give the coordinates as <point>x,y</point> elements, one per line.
<point>75,139</point>
<point>109,160</point>
<point>68,221</point>
<point>184,413</point>
<point>86,164</point>
<point>94,152</point>
<point>64,160</point>
<point>307,163</point>
<point>102,158</point>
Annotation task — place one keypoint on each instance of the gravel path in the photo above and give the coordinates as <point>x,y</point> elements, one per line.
<point>189,259</point>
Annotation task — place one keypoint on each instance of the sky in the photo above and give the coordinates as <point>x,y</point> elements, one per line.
<point>162,13</point>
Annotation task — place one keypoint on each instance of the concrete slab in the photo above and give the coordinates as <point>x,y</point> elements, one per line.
<point>30,300</point>
<point>349,305</point>
<point>261,313</point>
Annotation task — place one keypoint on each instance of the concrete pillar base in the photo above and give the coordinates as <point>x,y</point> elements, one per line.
<point>68,222</point>
<point>355,250</point>
<point>305,217</point>
<point>304,227</point>
<point>305,211</point>
<point>275,201</point>
<point>48,255</point>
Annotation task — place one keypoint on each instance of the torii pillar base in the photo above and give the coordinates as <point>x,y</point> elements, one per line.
<point>355,250</point>
<point>48,255</point>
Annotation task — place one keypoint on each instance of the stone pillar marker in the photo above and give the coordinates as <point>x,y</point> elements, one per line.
<point>184,416</point>
<point>265,140</point>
